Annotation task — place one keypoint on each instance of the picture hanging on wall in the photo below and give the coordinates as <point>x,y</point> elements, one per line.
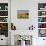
<point>22,14</point>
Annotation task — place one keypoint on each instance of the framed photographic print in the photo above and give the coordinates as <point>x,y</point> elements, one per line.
<point>22,14</point>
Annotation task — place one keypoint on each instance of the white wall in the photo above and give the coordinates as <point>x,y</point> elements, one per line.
<point>32,6</point>
<point>23,24</point>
